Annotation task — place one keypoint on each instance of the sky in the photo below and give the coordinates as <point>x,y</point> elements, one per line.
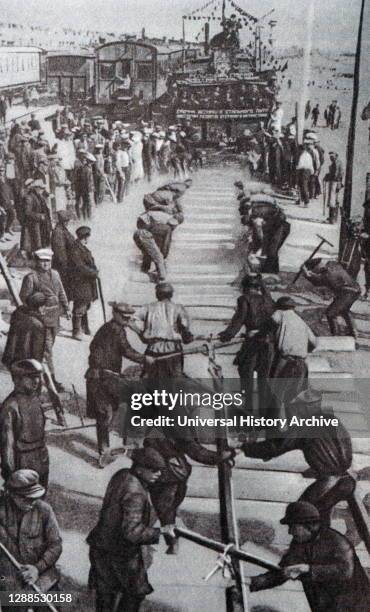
<point>335,26</point>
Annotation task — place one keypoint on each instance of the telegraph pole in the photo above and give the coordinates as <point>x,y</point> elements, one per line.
<point>347,197</point>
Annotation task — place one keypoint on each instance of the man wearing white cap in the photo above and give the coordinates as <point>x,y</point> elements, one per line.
<point>30,532</point>
<point>47,281</point>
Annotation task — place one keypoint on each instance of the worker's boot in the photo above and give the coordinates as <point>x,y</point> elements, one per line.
<point>76,327</point>
<point>172,543</point>
<point>85,325</point>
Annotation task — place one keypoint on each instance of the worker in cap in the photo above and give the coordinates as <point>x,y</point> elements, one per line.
<point>170,322</point>
<point>61,242</point>
<point>83,276</point>
<point>294,340</point>
<point>333,275</point>
<point>124,524</point>
<point>84,185</point>
<point>30,532</point>
<point>36,221</point>
<point>107,350</point>
<point>46,280</point>
<point>22,423</point>
<point>320,558</point>
<point>253,313</point>
<point>27,332</point>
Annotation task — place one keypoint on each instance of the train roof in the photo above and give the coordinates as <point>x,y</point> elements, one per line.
<point>11,49</point>
<point>81,53</point>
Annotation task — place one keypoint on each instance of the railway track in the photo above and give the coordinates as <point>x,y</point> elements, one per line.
<point>254,497</point>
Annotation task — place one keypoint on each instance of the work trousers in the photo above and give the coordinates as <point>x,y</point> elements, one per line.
<point>51,334</point>
<point>166,498</point>
<point>80,310</point>
<point>256,356</point>
<point>151,253</point>
<point>10,218</point>
<point>83,204</point>
<point>304,177</point>
<point>290,375</point>
<point>274,242</point>
<point>100,187</point>
<point>328,491</point>
<point>103,399</point>
<point>107,574</point>
<point>340,307</point>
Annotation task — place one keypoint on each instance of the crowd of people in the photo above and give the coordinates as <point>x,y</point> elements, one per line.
<point>44,186</point>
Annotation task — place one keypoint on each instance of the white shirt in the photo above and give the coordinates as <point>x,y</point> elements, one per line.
<point>162,324</point>
<point>66,150</point>
<point>293,334</point>
<point>122,159</point>
<point>305,162</point>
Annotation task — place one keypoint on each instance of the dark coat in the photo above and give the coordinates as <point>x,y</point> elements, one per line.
<point>48,283</point>
<point>82,274</point>
<point>26,337</point>
<point>62,242</point>
<point>123,528</point>
<point>22,435</point>
<point>33,538</point>
<point>336,583</point>
<point>37,226</point>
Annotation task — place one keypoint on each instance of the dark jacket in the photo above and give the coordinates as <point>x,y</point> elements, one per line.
<point>62,242</point>
<point>26,337</point>
<point>33,538</point>
<point>334,277</point>
<point>254,309</point>
<point>50,284</point>
<point>37,227</point>
<point>336,582</point>
<point>82,274</point>
<point>328,451</point>
<point>83,178</point>
<point>22,434</point>
<point>6,196</point>
<point>109,346</point>
<point>123,528</point>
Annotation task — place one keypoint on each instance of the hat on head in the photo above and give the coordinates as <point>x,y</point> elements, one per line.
<point>28,182</point>
<point>25,483</point>
<point>285,303</point>
<point>164,288</point>
<point>27,367</point>
<point>63,215</point>
<point>312,263</point>
<point>99,146</point>
<point>36,299</point>
<point>122,307</point>
<point>90,157</point>
<point>300,512</point>
<point>249,280</point>
<point>83,232</point>
<point>148,458</point>
<point>239,185</point>
<point>44,254</point>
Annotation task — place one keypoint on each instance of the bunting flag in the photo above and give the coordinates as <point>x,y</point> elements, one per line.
<point>243,12</point>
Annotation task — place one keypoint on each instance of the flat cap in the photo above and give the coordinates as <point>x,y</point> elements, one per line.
<point>27,367</point>
<point>300,512</point>
<point>64,215</point>
<point>39,183</point>
<point>25,483</point>
<point>148,458</point>
<point>90,157</point>
<point>83,232</point>
<point>164,288</point>
<point>239,185</point>
<point>45,254</point>
<point>122,307</point>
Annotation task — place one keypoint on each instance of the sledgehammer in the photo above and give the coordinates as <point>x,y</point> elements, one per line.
<point>322,241</point>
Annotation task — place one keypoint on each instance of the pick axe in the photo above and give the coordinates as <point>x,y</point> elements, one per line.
<point>322,241</point>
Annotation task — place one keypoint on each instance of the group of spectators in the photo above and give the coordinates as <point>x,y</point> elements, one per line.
<point>87,159</point>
